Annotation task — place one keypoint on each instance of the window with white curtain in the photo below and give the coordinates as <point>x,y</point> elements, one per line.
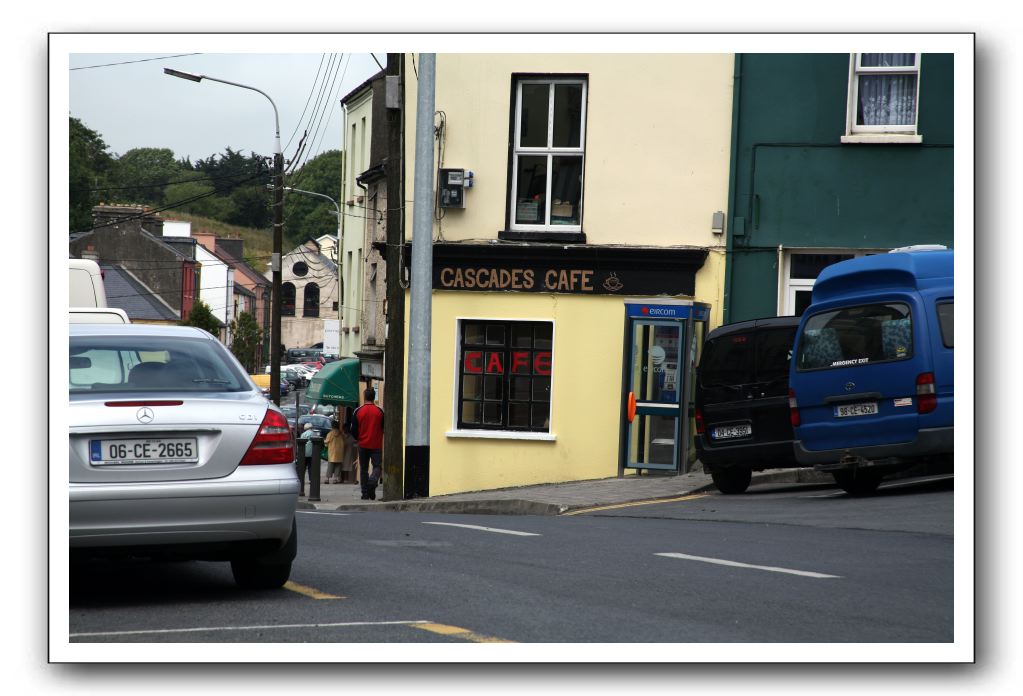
<point>884,95</point>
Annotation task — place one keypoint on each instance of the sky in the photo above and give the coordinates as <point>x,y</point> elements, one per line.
<point>131,103</point>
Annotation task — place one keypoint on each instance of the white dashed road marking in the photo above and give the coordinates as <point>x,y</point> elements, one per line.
<point>736,564</point>
<point>485,529</point>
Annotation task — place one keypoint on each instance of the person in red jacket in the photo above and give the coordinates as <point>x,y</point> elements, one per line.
<point>368,429</point>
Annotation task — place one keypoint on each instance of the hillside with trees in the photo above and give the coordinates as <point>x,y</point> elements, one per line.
<point>227,193</point>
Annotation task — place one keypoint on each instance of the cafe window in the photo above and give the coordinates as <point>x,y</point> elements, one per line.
<point>504,375</point>
<point>549,129</point>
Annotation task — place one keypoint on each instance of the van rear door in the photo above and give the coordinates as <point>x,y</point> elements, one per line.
<point>855,374</point>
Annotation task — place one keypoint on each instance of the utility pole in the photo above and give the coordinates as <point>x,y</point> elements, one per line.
<point>417,433</point>
<point>275,261</point>
<point>394,341</point>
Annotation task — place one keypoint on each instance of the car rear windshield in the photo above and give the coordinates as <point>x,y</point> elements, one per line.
<point>747,357</point>
<point>144,364</point>
<point>856,336</point>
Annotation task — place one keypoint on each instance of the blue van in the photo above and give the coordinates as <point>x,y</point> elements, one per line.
<point>871,380</point>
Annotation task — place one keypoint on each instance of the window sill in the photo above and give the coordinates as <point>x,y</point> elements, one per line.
<point>883,138</point>
<point>500,435</point>
<point>542,236</point>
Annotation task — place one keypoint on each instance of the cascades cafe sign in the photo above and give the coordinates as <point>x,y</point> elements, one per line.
<point>575,270</point>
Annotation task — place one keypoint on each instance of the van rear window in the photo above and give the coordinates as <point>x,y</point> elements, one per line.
<point>856,336</point>
<point>746,358</point>
<point>945,313</point>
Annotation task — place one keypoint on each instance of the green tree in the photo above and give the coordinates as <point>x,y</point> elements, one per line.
<point>309,216</point>
<point>143,173</point>
<point>202,317</point>
<point>245,334</point>
<point>199,198</point>
<point>90,166</point>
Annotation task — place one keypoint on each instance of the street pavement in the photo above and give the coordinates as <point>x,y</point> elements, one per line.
<point>547,499</point>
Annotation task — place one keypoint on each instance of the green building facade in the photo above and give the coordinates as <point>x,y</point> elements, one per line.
<point>833,156</point>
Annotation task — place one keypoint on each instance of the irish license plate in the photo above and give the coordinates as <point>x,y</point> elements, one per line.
<point>728,432</point>
<point>865,409</point>
<point>159,450</point>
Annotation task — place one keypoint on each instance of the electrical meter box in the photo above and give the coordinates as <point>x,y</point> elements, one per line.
<point>451,187</point>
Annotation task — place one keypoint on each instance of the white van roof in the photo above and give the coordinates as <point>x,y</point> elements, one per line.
<point>97,315</point>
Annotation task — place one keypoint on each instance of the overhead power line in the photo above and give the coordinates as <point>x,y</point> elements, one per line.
<point>128,62</point>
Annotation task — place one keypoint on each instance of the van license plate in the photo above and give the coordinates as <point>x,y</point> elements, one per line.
<point>727,432</point>
<point>144,451</point>
<point>846,410</point>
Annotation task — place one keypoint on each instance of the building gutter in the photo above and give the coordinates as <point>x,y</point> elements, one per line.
<point>733,173</point>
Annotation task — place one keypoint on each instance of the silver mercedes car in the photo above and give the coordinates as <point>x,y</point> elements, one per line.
<point>175,453</point>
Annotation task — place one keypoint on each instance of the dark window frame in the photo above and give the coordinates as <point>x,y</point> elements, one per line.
<point>310,309</point>
<point>474,360</point>
<point>288,290</point>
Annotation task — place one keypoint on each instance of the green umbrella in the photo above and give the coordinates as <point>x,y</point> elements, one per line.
<point>336,383</point>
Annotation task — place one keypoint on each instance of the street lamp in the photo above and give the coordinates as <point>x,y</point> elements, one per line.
<point>278,237</point>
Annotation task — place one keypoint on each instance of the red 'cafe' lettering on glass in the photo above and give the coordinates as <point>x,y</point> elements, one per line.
<point>473,361</point>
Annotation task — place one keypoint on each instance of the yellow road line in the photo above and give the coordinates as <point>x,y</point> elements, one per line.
<point>309,591</point>
<point>456,632</point>
<point>641,502</point>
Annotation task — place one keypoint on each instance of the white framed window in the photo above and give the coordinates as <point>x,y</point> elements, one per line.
<point>547,155</point>
<point>884,98</point>
<point>799,271</point>
<point>503,378</point>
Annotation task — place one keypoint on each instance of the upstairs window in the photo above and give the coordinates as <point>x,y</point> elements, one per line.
<point>884,95</point>
<point>287,299</point>
<point>311,300</point>
<point>549,135</point>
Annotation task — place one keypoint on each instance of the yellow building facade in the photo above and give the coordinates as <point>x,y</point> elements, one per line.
<point>579,270</point>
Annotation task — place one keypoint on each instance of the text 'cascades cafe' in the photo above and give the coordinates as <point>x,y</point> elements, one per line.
<point>562,362</point>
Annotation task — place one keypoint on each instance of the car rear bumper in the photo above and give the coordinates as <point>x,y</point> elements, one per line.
<point>928,442</point>
<point>753,455</point>
<point>237,508</point>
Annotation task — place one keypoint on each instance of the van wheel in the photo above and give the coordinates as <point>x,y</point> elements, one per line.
<point>858,482</point>
<point>733,480</point>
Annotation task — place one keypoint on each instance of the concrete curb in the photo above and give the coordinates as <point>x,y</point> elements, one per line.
<point>522,506</point>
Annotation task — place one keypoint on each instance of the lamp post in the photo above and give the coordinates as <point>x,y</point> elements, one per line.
<point>278,236</point>
<point>337,249</point>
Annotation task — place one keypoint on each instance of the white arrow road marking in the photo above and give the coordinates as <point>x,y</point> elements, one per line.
<point>485,529</point>
<point>773,569</point>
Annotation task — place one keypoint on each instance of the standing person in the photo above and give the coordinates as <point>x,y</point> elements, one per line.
<point>305,463</point>
<point>368,429</point>
<point>336,446</point>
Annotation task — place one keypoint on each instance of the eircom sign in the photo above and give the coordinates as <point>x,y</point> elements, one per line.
<point>667,311</point>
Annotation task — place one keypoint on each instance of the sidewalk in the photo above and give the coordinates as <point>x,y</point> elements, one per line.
<point>548,499</point>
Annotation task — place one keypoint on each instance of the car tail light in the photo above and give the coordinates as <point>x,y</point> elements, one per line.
<point>273,443</point>
<point>793,409</point>
<point>926,396</point>
<point>698,416</point>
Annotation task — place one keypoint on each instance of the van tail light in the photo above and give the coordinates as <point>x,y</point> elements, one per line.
<point>273,443</point>
<point>698,417</point>
<point>926,396</point>
<point>793,409</point>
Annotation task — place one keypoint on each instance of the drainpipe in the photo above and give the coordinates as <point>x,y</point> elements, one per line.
<point>733,173</point>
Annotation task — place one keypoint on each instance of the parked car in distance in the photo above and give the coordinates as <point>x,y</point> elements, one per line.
<point>872,380</point>
<point>321,424</point>
<point>171,448</point>
<point>263,382</point>
<point>741,403</point>
<point>298,379</point>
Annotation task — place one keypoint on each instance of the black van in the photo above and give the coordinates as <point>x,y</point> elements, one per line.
<point>742,400</point>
